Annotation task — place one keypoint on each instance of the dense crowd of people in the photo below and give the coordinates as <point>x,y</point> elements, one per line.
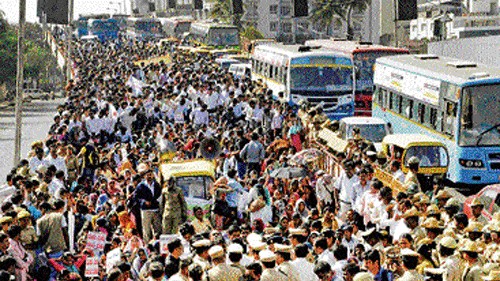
<point>89,201</point>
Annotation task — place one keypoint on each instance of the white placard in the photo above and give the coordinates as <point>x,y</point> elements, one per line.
<point>96,241</point>
<point>92,267</point>
<point>164,240</point>
<point>113,258</point>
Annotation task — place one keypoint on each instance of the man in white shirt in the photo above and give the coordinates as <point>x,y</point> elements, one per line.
<point>36,160</point>
<point>396,172</point>
<point>360,188</point>
<point>344,185</point>
<point>56,160</point>
<point>200,116</point>
<point>302,265</point>
<point>324,189</point>
<point>322,251</point>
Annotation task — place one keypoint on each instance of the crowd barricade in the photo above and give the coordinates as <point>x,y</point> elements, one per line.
<point>389,180</point>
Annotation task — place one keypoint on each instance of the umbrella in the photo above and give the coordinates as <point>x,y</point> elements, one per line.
<point>289,173</point>
<point>305,156</point>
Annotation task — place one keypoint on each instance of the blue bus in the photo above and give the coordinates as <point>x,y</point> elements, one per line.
<point>309,74</point>
<point>457,102</point>
<point>82,23</point>
<point>105,29</point>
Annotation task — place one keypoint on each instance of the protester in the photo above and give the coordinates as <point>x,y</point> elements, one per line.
<point>92,195</point>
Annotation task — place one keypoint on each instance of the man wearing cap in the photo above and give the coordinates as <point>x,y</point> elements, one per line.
<point>148,194</point>
<point>269,273</point>
<point>410,262</point>
<point>235,254</point>
<point>283,258</point>
<point>220,270</point>
<point>324,189</point>
<point>473,269</point>
<point>449,261</point>
<point>28,235</point>
<point>174,207</point>
<point>411,176</point>
<point>201,248</point>
<point>477,211</point>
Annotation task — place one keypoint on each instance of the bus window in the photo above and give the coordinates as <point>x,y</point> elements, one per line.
<point>399,101</point>
<point>408,108</point>
<point>421,112</point>
<point>433,118</point>
<point>391,100</point>
<point>450,115</point>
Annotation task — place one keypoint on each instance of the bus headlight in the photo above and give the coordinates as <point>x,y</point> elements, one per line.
<point>472,163</point>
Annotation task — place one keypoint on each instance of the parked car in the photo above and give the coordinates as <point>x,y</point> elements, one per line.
<point>489,196</point>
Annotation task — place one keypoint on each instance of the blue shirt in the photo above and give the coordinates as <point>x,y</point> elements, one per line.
<point>232,197</point>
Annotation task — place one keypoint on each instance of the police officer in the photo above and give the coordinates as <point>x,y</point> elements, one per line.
<point>283,258</point>
<point>221,271</point>
<point>268,260</point>
<point>174,207</point>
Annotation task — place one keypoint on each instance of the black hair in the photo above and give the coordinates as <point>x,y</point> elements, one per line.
<point>269,264</point>
<point>301,251</point>
<point>445,251</point>
<point>373,256</point>
<point>14,231</point>
<point>340,252</point>
<point>255,267</point>
<point>235,257</point>
<point>322,267</point>
<point>321,243</point>
<point>462,219</point>
<point>174,244</point>
<point>352,269</point>
<point>410,262</point>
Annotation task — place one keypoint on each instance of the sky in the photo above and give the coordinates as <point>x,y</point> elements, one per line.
<point>11,8</point>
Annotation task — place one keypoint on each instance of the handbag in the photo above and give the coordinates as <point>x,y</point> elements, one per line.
<point>257,205</point>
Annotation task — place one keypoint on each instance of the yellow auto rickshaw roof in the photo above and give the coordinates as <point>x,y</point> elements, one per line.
<point>408,140</point>
<point>188,168</point>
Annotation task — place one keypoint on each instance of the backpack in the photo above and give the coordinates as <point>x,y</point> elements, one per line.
<point>92,158</point>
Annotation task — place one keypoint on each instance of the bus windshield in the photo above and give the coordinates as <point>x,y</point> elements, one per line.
<point>98,25</point>
<point>223,37</point>
<point>429,156</point>
<point>371,132</point>
<point>480,116</point>
<point>194,187</point>
<point>325,78</point>
<point>364,64</point>
<point>182,27</point>
<point>148,26</point>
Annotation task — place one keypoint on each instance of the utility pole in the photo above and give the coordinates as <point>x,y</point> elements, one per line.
<point>69,35</point>
<point>19,81</point>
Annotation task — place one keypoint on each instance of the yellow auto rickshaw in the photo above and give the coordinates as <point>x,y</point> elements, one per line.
<point>431,152</point>
<point>195,178</point>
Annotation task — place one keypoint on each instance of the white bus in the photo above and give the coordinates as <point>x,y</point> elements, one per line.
<point>176,26</point>
<point>215,35</point>
<point>305,73</point>
<point>144,28</point>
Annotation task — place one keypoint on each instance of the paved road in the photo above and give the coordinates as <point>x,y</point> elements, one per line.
<point>37,118</point>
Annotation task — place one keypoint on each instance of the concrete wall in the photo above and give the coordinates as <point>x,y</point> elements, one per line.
<point>479,49</point>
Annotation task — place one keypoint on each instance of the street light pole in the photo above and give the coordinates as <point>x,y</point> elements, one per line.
<point>68,42</point>
<point>19,81</point>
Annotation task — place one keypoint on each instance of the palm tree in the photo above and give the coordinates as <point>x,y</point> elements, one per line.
<point>325,11</point>
<point>222,10</point>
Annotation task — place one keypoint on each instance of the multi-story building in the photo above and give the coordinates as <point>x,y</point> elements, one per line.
<point>454,19</point>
